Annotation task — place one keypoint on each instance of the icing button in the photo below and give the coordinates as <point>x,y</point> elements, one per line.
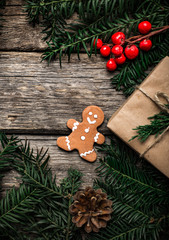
<point>83,138</point>
<point>86,130</point>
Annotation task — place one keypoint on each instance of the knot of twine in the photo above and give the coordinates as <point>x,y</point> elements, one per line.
<point>163,108</point>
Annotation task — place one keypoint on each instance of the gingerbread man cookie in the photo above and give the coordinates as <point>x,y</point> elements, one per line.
<point>84,134</point>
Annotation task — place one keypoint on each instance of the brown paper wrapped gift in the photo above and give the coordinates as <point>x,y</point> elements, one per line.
<point>135,111</point>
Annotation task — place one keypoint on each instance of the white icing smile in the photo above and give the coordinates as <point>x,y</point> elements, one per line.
<point>91,122</point>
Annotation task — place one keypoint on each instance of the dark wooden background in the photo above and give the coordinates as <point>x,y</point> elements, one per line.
<point>36,100</point>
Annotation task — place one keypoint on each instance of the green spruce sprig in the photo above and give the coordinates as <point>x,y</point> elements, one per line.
<point>133,72</point>
<point>38,209</point>
<point>158,123</point>
<point>9,146</point>
<point>95,19</point>
<point>39,205</point>
<point>139,198</point>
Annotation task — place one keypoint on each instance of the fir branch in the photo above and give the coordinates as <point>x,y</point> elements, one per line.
<point>39,208</point>
<point>100,23</point>
<point>118,171</point>
<point>122,230</point>
<point>53,213</point>
<point>69,216</point>
<point>9,146</point>
<point>136,215</point>
<point>100,19</point>
<point>133,72</point>
<point>13,208</point>
<point>89,11</point>
<point>118,153</point>
<point>87,35</point>
<point>38,200</point>
<point>159,122</point>
<point>116,176</point>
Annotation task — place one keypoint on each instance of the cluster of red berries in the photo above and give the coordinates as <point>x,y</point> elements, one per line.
<point>131,51</point>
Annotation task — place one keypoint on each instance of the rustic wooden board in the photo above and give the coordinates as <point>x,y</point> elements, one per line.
<point>15,2</point>
<point>38,98</point>
<point>60,161</point>
<point>17,34</point>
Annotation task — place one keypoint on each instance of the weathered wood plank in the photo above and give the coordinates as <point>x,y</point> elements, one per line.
<point>37,98</point>
<point>17,34</point>
<point>60,161</point>
<point>15,2</point>
<point>9,11</point>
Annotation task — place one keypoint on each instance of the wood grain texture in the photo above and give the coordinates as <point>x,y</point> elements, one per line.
<point>15,2</point>
<point>60,161</point>
<point>17,34</point>
<point>37,98</point>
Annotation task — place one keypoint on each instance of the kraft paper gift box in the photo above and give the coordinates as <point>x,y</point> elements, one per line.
<point>135,111</point>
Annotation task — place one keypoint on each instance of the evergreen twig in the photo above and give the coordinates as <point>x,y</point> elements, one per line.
<point>100,19</point>
<point>39,204</point>
<point>158,123</point>
<point>137,196</point>
<point>39,208</point>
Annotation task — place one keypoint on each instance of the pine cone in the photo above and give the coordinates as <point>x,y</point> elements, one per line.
<point>91,208</point>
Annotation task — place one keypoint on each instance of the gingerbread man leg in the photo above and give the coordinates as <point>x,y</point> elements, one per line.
<point>65,143</point>
<point>88,155</point>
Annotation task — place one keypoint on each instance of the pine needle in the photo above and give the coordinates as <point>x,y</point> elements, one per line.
<point>39,208</point>
<point>159,122</point>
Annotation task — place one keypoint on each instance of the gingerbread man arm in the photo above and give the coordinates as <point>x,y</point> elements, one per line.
<point>72,123</point>
<point>99,138</point>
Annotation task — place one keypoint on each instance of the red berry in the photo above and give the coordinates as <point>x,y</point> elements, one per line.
<point>145,45</point>
<point>98,44</point>
<point>117,50</point>
<point>111,65</point>
<point>144,27</point>
<point>105,51</point>
<point>131,51</point>
<point>120,60</point>
<point>118,38</point>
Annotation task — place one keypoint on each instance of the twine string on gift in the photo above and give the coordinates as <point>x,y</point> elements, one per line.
<point>163,108</point>
<point>159,103</point>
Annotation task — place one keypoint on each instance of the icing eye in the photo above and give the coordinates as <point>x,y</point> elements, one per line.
<point>90,113</point>
<point>95,116</point>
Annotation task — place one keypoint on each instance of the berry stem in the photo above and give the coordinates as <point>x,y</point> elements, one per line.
<point>158,27</point>
<point>140,37</point>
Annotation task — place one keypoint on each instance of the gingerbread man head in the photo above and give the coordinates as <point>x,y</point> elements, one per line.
<point>93,115</point>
